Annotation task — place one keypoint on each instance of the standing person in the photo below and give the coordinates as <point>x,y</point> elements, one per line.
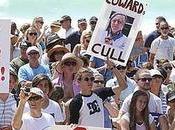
<point>138,117</point>
<point>8,103</point>
<point>163,46</point>
<point>27,72</point>
<point>66,27</point>
<point>22,59</point>
<point>74,38</point>
<point>35,119</point>
<point>143,79</point>
<point>86,108</point>
<point>115,36</point>
<point>92,22</point>
<point>155,34</point>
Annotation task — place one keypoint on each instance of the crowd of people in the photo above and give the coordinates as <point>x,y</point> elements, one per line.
<point>53,81</point>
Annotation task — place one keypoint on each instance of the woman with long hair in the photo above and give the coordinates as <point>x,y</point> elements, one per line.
<point>138,117</point>
<point>49,106</point>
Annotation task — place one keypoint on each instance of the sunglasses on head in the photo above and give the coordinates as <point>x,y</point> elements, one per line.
<point>121,67</point>
<point>99,81</point>
<point>89,79</point>
<point>69,63</point>
<point>164,28</point>
<point>168,68</point>
<point>34,98</point>
<point>33,33</point>
<point>146,79</point>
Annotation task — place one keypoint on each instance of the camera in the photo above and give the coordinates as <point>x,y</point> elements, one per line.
<point>26,90</point>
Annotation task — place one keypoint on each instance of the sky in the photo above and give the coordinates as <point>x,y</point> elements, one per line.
<point>22,11</point>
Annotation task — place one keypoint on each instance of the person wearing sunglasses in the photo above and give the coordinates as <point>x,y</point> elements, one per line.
<point>28,71</point>
<point>86,108</point>
<point>143,79</point>
<point>64,75</point>
<point>35,119</point>
<point>163,46</point>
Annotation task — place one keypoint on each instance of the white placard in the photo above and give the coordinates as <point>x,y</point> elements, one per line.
<point>4,55</point>
<point>107,40</point>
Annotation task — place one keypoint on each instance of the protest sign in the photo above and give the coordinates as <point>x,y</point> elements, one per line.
<point>67,127</point>
<point>4,55</point>
<point>116,29</point>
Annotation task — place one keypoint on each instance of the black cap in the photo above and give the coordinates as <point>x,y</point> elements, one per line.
<point>24,44</point>
<point>93,18</point>
<point>65,18</point>
<point>82,20</point>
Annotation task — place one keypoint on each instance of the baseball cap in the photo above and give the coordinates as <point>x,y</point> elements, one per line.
<point>82,20</point>
<point>32,48</point>
<point>55,24</point>
<point>37,91</point>
<point>93,18</point>
<point>64,18</point>
<point>154,72</point>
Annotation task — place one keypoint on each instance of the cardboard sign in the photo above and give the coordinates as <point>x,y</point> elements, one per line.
<point>4,55</point>
<point>116,30</point>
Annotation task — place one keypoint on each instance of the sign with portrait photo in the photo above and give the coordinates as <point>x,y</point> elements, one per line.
<point>4,55</point>
<point>116,30</point>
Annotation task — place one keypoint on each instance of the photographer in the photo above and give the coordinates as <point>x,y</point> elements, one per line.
<point>35,119</point>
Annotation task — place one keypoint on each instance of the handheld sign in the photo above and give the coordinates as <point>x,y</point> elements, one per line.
<point>4,55</point>
<point>116,30</point>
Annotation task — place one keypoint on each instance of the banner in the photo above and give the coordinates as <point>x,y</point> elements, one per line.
<point>68,127</point>
<point>4,55</point>
<point>116,30</point>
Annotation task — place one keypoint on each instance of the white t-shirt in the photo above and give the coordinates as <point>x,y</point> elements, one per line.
<point>138,127</point>
<point>53,109</point>
<point>163,49</point>
<point>154,105</point>
<point>31,123</point>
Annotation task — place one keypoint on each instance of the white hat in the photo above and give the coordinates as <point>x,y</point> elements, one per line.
<point>32,48</point>
<point>154,72</point>
<point>37,91</point>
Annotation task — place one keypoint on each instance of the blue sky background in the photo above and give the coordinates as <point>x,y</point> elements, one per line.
<point>25,10</point>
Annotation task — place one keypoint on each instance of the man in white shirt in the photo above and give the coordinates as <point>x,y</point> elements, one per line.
<point>35,119</point>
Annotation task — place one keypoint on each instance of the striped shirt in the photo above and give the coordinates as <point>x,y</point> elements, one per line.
<point>7,110</point>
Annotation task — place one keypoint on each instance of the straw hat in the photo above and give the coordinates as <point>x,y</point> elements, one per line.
<point>57,48</point>
<point>66,57</point>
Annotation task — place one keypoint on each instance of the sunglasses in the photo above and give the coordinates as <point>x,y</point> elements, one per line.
<point>99,81</point>
<point>121,67</point>
<point>33,53</point>
<point>168,68</point>
<point>146,79</point>
<point>69,63</point>
<point>35,98</point>
<point>31,34</point>
<point>89,79</point>
<point>164,28</point>
<point>40,22</point>
<point>93,22</point>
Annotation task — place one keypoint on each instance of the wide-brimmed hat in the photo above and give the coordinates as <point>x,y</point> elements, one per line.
<point>57,48</point>
<point>66,57</point>
<point>55,24</point>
